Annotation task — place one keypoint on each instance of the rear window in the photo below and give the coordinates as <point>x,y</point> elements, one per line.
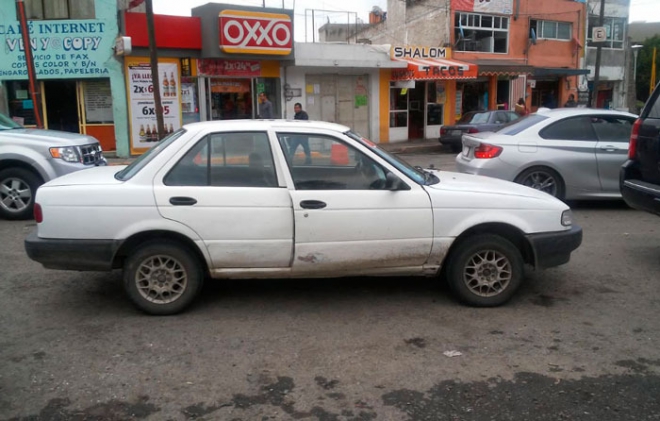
<point>474,118</point>
<point>521,124</point>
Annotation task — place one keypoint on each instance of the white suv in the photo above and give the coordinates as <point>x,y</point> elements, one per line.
<point>238,199</point>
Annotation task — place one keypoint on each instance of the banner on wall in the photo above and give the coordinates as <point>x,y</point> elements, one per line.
<point>502,7</point>
<point>142,106</point>
<point>68,49</point>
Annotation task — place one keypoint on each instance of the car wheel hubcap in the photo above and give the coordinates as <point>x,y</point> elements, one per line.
<point>15,195</point>
<point>161,279</point>
<point>541,180</point>
<point>487,273</point>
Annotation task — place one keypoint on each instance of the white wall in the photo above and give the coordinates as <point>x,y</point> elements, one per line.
<point>294,76</point>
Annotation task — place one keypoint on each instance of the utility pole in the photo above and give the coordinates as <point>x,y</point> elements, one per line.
<point>599,51</point>
<point>155,76</point>
<point>29,62</point>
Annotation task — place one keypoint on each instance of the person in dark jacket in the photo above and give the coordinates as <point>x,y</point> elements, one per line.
<point>300,140</point>
<point>571,103</point>
<point>265,106</point>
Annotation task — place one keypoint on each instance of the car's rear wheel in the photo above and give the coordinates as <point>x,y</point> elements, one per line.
<point>17,189</point>
<point>543,179</point>
<point>162,278</point>
<point>485,270</point>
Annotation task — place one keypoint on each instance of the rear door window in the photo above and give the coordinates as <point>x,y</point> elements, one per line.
<point>572,128</point>
<point>612,128</point>
<point>521,124</point>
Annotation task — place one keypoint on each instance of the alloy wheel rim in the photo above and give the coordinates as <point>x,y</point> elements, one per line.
<point>541,180</point>
<point>161,279</point>
<point>487,273</point>
<point>15,195</point>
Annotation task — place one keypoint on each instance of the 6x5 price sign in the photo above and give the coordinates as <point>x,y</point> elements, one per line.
<point>247,32</point>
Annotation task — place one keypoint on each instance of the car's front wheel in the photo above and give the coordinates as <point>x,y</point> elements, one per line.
<point>485,270</point>
<point>162,278</point>
<point>17,189</point>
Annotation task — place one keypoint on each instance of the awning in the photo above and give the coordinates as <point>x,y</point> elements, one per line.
<point>434,69</point>
<point>559,71</point>
<point>502,68</point>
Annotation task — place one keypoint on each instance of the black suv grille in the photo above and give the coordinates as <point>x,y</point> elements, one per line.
<point>91,154</point>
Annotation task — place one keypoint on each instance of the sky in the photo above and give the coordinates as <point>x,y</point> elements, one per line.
<point>640,10</point>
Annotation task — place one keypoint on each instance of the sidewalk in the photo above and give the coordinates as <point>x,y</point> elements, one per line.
<point>403,148</point>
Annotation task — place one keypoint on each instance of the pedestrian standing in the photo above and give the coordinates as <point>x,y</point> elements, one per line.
<point>265,106</point>
<point>571,102</point>
<point>521,108</point>
<point>300,140</point>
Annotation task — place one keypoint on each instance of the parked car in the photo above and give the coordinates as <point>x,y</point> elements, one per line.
<point>569,153</point>
<point>225,199</point>
<point>30,157</point>
<point>640,174</point>
<point>474,122</point>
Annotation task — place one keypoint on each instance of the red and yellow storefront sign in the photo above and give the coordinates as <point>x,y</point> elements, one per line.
<point>249,32</point>
<point>430,63</point>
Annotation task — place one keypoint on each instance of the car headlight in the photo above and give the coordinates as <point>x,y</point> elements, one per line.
<point>66,153</point>
<point>567,218</point>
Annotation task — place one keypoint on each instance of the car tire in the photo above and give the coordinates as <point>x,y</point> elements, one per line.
<point>162,278</point>
<point>18,188</point>
<point>485,270</point>
<point>544,179</point>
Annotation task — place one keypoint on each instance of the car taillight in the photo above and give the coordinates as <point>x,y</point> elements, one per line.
<point>38,214</point>
<point>443,131</point>
<point>473,130</point>
<point>632,147</point>
<point>486,151</point>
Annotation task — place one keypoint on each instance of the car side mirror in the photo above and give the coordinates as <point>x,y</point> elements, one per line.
<point>394,183</point>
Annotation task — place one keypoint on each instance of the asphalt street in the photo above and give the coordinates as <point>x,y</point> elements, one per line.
<point>578,342</point>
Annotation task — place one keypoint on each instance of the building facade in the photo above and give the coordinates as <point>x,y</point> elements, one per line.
<point>81,83</point>
<point>611,91</point>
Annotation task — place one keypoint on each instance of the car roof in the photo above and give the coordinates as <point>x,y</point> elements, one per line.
<point>567,112</point>
<point>229,125</point>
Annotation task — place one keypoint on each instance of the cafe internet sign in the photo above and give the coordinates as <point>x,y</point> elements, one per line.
<point>71,49</point>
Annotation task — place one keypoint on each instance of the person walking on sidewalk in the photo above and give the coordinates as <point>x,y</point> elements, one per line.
<point>300,140</point>
<point>265,107</point>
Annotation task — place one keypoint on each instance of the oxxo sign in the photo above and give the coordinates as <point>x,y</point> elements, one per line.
<point>247,32</point>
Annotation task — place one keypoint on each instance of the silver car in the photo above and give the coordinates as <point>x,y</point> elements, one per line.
<point>570,153</point>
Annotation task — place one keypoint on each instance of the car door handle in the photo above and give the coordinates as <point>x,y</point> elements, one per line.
<point>608,148</point>
<point>312,204</point>
<point>182,201</point>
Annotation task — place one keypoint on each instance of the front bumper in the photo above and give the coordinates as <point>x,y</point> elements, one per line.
<point>554,248</point>
<point>64,254</point>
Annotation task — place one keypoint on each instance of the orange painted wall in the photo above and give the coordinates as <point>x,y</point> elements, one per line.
<point>546,53</point>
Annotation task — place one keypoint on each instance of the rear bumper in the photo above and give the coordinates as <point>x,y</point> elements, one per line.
<point>451,140</point>
<point>83,255</point>
<point>554,248</point>
<point>638,194</point>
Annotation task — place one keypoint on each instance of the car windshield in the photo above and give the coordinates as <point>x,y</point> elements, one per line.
<point>7,123</point>
<point>417,174</point>
<point>474,117</point>
<point>146,157</point>
<point>523,123</point>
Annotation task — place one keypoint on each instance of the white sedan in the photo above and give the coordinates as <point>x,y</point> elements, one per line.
<point>235,199</point>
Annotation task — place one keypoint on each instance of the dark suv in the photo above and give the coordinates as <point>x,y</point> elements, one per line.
<point>640,175</point>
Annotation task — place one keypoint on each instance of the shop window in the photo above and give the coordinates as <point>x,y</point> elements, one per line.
<point>614,27</point>
<point>98,102</point>
<point>435,100</point>
<point>486,33</point>
<point>21,107</point>
<point>398,107</point>
<point>59,9</point>
<point>545,29</point>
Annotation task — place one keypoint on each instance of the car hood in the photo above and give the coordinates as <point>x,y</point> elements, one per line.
<point>93,175</point>
<point>492,192</point>
<point>52,137</point>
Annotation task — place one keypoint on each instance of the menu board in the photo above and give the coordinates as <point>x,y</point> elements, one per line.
<point>98,102</point>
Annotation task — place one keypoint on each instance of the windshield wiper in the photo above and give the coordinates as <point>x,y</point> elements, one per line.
<point>429,177</point>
